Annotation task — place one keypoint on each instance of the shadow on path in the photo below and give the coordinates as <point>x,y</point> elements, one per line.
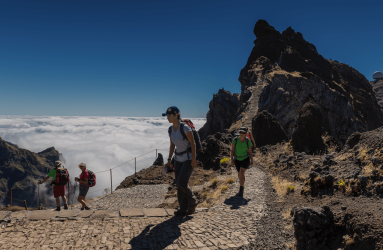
<point>159,236</point>
<point>236,202</point>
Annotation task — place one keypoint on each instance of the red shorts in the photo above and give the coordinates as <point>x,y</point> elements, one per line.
<point>59,191</point>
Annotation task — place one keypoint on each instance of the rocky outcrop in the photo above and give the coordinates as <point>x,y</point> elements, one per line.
<point>222,113</point>
<point>20,169</point>
<point>289,71</point>
<point>267,130</point>
<point>293,71</point>
<point>314,227</point>
<point>377,86</point>
<point>307,136</point>
<point>217,147</point>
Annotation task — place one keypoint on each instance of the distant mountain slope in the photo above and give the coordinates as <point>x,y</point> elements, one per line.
<point>20,169</point>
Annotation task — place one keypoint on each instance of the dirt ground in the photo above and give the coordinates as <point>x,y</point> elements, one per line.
<point>334,180</point>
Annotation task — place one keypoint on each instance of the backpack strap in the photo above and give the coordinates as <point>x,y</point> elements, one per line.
<point>182,130</point>
<point>170,131</point>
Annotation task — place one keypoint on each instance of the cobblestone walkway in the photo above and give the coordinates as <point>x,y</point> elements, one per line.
<point>142,196</point>
<point>234,223</point>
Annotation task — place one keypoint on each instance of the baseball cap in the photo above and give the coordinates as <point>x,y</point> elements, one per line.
<point>57,163</point>
<point>171,110</point>
<point>243,129</point>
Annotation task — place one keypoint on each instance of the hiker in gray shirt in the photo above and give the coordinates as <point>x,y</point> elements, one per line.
<point>185,160</point>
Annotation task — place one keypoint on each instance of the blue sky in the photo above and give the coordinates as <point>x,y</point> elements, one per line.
<point>136,58</point>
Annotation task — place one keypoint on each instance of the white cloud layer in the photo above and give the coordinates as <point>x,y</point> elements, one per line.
<point>101,142</point>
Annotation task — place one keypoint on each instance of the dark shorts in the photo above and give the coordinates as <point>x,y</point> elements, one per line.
<point>58,191</point>
<point>83,191</point>
<point>242,164</point>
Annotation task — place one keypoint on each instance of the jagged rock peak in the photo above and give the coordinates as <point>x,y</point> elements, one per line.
<point>263,29</point>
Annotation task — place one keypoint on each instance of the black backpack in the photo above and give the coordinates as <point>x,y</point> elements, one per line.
<point>91,179</point>
<point>197,140</point>
<point>62,177</point>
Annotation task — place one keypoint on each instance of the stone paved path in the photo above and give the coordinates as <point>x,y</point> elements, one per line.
<point>234,223</point>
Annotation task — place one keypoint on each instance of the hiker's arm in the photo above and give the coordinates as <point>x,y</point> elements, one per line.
<point>190,137</point>
<point>85,181</point>
<point>171,151</point>
<point>251,155</point>
<point>46,178</point>
<point>232,154</point>
<point>252,139</point>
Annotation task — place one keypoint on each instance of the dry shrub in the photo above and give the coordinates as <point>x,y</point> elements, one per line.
<point>369,184</point>
<point>230,180</point>
<point>291,245</point>
<point>224,188</point>
<point>368,169</point>
<point>214,182</point>
<point>280,185</point>
<point>363,154</point>
<point>349,189</point>
<point>348,240</point>
<point>303,176</point>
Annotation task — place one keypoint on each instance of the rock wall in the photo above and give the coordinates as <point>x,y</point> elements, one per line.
<point>222,113</point>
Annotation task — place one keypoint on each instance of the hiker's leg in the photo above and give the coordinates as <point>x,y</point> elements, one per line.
<point>58,201</point>
<point>181,199</point>
<point>238,167</point>
<point>242,177</point>
<point>183,184</point>
<point>81,199</point>
<point>245,164</point>
<point>64,199</point>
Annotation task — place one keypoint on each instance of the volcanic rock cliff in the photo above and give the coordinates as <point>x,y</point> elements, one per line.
<point>20,170</point>
<point>283,72</point>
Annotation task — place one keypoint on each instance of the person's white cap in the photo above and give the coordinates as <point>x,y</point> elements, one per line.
<point>57,163</point>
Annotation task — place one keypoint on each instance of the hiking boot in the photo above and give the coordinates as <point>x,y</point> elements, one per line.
<point>191,210</point>
<point>240,194</point>
<point>57,209</point>
<point>180,212</point>
<point>87,208</point>
<point>65,206</point>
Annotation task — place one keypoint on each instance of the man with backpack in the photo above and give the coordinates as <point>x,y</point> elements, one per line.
<point>241,156</point>
<point>60,179</point>
<point>84,185</point>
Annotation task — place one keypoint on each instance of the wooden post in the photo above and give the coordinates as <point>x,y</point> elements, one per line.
<point>135,166</point>
<point>68,201</point>
<point>111,181</point>
<point>25,203</point>
<point>11,196</point>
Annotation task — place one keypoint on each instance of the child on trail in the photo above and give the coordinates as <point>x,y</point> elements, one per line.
<point>58,190</point>
<point>185,160</point>
<point>241,156</point>
<point>84,188</point>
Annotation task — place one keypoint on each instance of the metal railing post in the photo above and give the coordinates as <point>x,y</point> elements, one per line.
<point>11,197</point>
<point>68,194</point>
<point>135,166</point>
<point>25,203</point>
<point>156,155</point>
<point>111,181</point>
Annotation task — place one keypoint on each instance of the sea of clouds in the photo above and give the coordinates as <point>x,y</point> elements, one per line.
<point>101,142</point>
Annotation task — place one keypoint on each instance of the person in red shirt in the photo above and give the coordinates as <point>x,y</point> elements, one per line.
<point>84,188</point>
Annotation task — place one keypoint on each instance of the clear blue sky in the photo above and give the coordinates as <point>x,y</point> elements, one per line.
<point>136,58</point>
